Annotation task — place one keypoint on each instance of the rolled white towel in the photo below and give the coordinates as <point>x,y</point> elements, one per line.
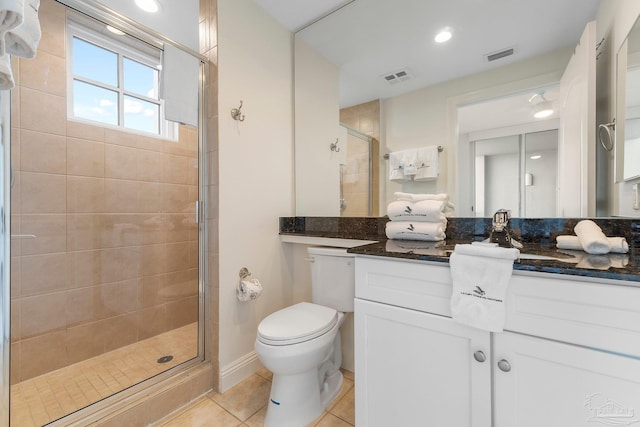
<point>6,75</point>
<point>424,211</point>
<point>23,40</point>
<point>405,230</point>
<point>591,237</point>
<point>616,244</point>
<point>11,15</point>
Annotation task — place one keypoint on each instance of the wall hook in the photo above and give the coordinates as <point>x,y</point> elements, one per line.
<point>237,114</point>
<point>334,146</point>
<point>244,273</point>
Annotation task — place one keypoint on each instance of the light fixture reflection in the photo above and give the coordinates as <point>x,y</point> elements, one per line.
<point>536,157</point>
<point>443,36</point>
<point>151,6</point>
<point>115,30</point>
<point>543,110</point>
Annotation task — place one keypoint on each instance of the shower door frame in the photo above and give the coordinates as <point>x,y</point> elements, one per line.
<point>98,410</point>
<point>5,259</point>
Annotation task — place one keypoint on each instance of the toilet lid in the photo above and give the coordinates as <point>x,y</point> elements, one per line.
<point>298,323</point>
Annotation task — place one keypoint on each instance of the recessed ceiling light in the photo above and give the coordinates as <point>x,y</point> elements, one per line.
<point>536,157</point>
<point>115,30</point>
<point>151,6</point>
<point>443,36</point>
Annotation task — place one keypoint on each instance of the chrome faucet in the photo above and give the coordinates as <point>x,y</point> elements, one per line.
<point>501,230</point>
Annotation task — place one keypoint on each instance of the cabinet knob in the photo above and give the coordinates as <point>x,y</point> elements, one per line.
<point>504,365</point>
<point>479,356</point>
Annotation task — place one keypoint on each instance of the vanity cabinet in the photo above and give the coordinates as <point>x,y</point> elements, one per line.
<point>416,368</point>
<point>569,356</point>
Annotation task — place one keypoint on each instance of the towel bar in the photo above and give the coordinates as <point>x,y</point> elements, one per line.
<point>440,150</point>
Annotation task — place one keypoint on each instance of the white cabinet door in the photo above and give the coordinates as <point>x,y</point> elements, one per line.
<point>418,369</point>
<point>553,384</point>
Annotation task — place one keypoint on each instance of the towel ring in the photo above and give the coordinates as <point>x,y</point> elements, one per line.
<point>605,134</point>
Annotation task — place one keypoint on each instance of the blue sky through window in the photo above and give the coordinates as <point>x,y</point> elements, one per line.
<point>92,102</point>
<point>95,103</point>
<point>140,79</point>
<point>94,62</point>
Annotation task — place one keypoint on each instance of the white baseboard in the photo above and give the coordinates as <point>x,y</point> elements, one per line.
<point>238,370</point>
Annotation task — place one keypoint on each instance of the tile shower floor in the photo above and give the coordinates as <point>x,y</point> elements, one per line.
<point>45,398</point>
<point>246,405</point>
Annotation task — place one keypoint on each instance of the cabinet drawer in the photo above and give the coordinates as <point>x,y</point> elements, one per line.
<point>417,285</point>
<point>564,308</point>
<point>599,315</point>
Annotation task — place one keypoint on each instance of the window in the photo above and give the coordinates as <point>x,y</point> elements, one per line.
<point>114,80</point>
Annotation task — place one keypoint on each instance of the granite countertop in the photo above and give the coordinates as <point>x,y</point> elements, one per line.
<point>537,236</point>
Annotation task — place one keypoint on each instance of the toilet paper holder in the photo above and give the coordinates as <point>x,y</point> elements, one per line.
<point>244,273</point>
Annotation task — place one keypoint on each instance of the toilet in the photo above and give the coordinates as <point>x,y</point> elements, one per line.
<point>300,344</point>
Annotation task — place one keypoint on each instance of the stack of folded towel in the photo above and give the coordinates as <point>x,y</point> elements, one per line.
<point>590,238</point>
<point>19,35</point>
<point>418,217</point>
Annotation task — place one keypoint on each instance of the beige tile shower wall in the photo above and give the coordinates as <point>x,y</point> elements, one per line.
<point>115,259</point>
<point>364,118</point>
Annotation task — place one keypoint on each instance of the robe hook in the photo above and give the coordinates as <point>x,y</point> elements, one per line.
<point>237,114</point>
<point>334,146</point>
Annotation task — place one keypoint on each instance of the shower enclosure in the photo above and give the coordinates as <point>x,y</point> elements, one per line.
<point>359,175</point>
<point>106,248</point>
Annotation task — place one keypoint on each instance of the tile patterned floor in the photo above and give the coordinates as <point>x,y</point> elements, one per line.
<point>245,405</point>
<point>43,399</point>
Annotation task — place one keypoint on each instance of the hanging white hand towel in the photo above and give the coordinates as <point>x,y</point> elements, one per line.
<point>6,75</point>
<point>481,275</point>
<point>427,164</point>
<point>396,167</point>
<point>23,40</point>
<point>410,168</point>
<point>11,15</point>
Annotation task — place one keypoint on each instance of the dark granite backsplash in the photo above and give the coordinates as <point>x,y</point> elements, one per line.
<point>542,230</point>
<point>359,228</point>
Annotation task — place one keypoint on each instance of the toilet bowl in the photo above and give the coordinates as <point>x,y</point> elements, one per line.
<point>301,344</point>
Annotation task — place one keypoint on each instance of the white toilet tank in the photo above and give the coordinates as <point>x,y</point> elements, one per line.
<point>332,278</point>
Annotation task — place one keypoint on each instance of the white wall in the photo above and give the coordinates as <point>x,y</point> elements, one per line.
<point>181,25</point>
<point>255,175</point>
<point>427,116</point>
<point>317,168</point>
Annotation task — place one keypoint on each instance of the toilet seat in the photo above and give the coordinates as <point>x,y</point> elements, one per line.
<point>295,324</point>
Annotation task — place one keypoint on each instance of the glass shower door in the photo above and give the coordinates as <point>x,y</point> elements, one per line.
<point>105,244</point>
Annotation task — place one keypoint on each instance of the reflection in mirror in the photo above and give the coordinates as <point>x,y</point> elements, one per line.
<point>629,128</point>
<point>517,173</point>
<point>419,84</point>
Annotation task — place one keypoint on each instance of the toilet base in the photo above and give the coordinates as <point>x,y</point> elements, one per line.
<point>296,400</point>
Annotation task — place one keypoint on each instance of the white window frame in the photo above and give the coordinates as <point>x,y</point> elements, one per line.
<point>95,33</point>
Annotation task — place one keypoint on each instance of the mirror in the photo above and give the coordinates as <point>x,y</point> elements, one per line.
<point>628,107</point>
<point>421,113</point>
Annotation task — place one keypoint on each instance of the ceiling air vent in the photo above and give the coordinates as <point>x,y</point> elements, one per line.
<point>397,76</point>
<point>500,54</point>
